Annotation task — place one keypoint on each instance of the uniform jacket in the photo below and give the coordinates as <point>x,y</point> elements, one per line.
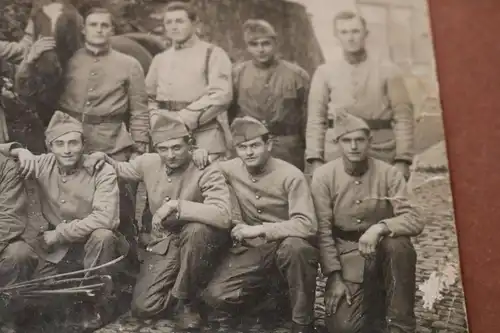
<point>107,84</point>
<point>373,89</point>
<point>202,194</point>
<point>13,202</point>
<point>278,197</point>
<point>74,204</point>
<point>350,204</point>
<point>185,75</point>
<point>279,98</point>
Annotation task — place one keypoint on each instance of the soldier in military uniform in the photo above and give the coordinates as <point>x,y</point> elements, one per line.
<point>190,209</point>
<point>273,91</point>
<point>372,88</point>
<point>365,224</point>
<point>79,203</point>
<point>273,226</point>
<point>192,79</point>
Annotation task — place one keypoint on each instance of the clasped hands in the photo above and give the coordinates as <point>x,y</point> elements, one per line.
<point>165,211</point>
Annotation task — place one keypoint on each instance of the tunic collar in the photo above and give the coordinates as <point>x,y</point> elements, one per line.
<point>261,170</point>
<point>180,169</point>
<point>356,58</point>
<point>190,42</point>
<point>94,51</point>
<point>83,163</point>
<point>356,169</point>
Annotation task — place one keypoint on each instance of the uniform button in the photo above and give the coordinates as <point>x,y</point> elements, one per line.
<point>357,182</point>
<point>358,202</point>
<point>359,220</point>
<point>63,201</point>
<point>148,249</point>
<point>87,103</point>
<point>96,60</point>
<point>93,74</point>
<point>64,221</point>
<point>169,180</point>
<point>254,180</point>
<point>257,197</point>
<point>259,211</point>
<point>64,180</point>
<point>91,89</point>
<point>167,199</point>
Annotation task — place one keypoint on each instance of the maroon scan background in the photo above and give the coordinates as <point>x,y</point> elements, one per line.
<point>467,45</point>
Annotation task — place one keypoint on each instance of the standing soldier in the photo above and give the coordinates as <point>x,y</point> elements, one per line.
<point>272,90</point>
<point>105,90</point>
<point>193,79</point>
<point>370,88</point>
<point>273,226</point>
<point>365,224</point>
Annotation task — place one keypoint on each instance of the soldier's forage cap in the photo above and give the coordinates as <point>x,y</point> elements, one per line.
<point>247,128</point>
<point>345,123</point>
<point>167,126</point>
<point>255,29</point>
<point>60,124</point>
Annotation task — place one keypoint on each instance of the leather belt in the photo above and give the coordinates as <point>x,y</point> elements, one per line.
<point>374,124</point>
<point>352,236</point>
<point>173,105</point>
<point>95,119</point>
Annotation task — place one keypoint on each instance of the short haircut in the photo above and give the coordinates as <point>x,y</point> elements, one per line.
<point>99,10</point>
<point>178,5</point>
<point>348,15</point>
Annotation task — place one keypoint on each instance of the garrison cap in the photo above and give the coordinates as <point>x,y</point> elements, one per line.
<point>60,124</point>
<point>247,128</point>
<point>167,126</point>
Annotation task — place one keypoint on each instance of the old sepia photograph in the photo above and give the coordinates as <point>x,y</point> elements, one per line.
<point>224,166</point>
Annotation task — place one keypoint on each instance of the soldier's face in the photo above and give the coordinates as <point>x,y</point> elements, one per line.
<point>355,145</point>
<point>351,34</point>
<point>98,29</point>
<point>178,26</point>
<point>262,50</point>
<point>68,149</point>
<point>174,153</point>
<point>254,153</point>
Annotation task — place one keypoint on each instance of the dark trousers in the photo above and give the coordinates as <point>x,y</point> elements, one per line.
<point>289,148</point>
<point>385,301</point>
<point>128,224</point>
<point>181,272</point>
<point>18,261</point>
<point>243,277</point>
<point>101,246</point>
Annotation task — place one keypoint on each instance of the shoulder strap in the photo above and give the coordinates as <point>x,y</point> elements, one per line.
<point>210,50</point>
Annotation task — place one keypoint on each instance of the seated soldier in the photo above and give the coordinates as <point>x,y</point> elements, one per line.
<point>17,259</point>
<point>191,215</point>
<point>274,227</point>
<point>79,204</point>
<point>365,225</point>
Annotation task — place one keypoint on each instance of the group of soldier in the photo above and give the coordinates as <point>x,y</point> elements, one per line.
<point>232,214</point>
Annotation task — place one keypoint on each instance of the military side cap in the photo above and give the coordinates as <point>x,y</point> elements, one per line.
<point>247,128</point>
<point>345,123</point>
<point>166,126</point>
<point>255,29</point>
<point>60,124</point>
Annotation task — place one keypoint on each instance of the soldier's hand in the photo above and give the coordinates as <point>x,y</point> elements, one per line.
<point>201,158</point>
<point>97,160</point>
<point>336,289</point>
<point>243,231</point>
<point>27,162</point>
<point>369,240</point>
<point>42,45</point>
<point>50,237</point>
<point>404,168</point>
<point>162,213</point>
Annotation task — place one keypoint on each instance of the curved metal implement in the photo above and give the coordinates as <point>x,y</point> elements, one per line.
<point>28,286</point>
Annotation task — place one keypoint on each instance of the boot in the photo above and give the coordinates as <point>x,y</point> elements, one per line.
<point>188,319</point>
